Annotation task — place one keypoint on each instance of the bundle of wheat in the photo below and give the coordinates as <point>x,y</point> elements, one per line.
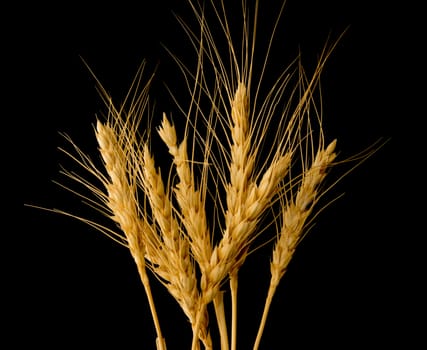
<point>255,175</point>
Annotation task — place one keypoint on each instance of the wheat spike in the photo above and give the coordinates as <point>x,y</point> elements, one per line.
<point>192,206</point>
<point>295,212</point>
<point>246,202</point>
<point>121,188</point>
<point>172,258</point>
<point>123,204</point>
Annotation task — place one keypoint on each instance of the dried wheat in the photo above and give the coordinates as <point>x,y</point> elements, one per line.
<point>123,204</point>
<point>165,224</point>
<point>172,258</point>
<point>190,200</point>
<point>295,212</point>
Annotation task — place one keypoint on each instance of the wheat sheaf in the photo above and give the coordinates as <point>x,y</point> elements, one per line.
<point>249,166</point>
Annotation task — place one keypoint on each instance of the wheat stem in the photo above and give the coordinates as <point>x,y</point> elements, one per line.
<point>270,294</point>
<point>221,321</point>
<point>195,345</point>
<point>160,341</point>
<point>233,290</point>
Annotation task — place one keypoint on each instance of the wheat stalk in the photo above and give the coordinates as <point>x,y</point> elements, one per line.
<point>121,200</point>
<point>295,212</point>
<point>171,258</point>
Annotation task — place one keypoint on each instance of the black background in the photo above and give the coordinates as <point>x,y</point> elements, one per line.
<point>355,280</point>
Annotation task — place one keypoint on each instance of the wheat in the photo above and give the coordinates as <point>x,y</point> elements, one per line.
<point>295,212</point>
<point>165,222</point>
<point>121,191</point>
<point>171,258</point>
<point>190,200</point>
<point>123,204</point>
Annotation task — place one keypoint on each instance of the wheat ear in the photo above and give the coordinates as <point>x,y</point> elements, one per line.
<point>246,202</point>
<point>190,200</point>
<point>241,168</point>
<point>191,203</point>
<point>124,206</point>
<point>294,216</point>
<point>172,258</point>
